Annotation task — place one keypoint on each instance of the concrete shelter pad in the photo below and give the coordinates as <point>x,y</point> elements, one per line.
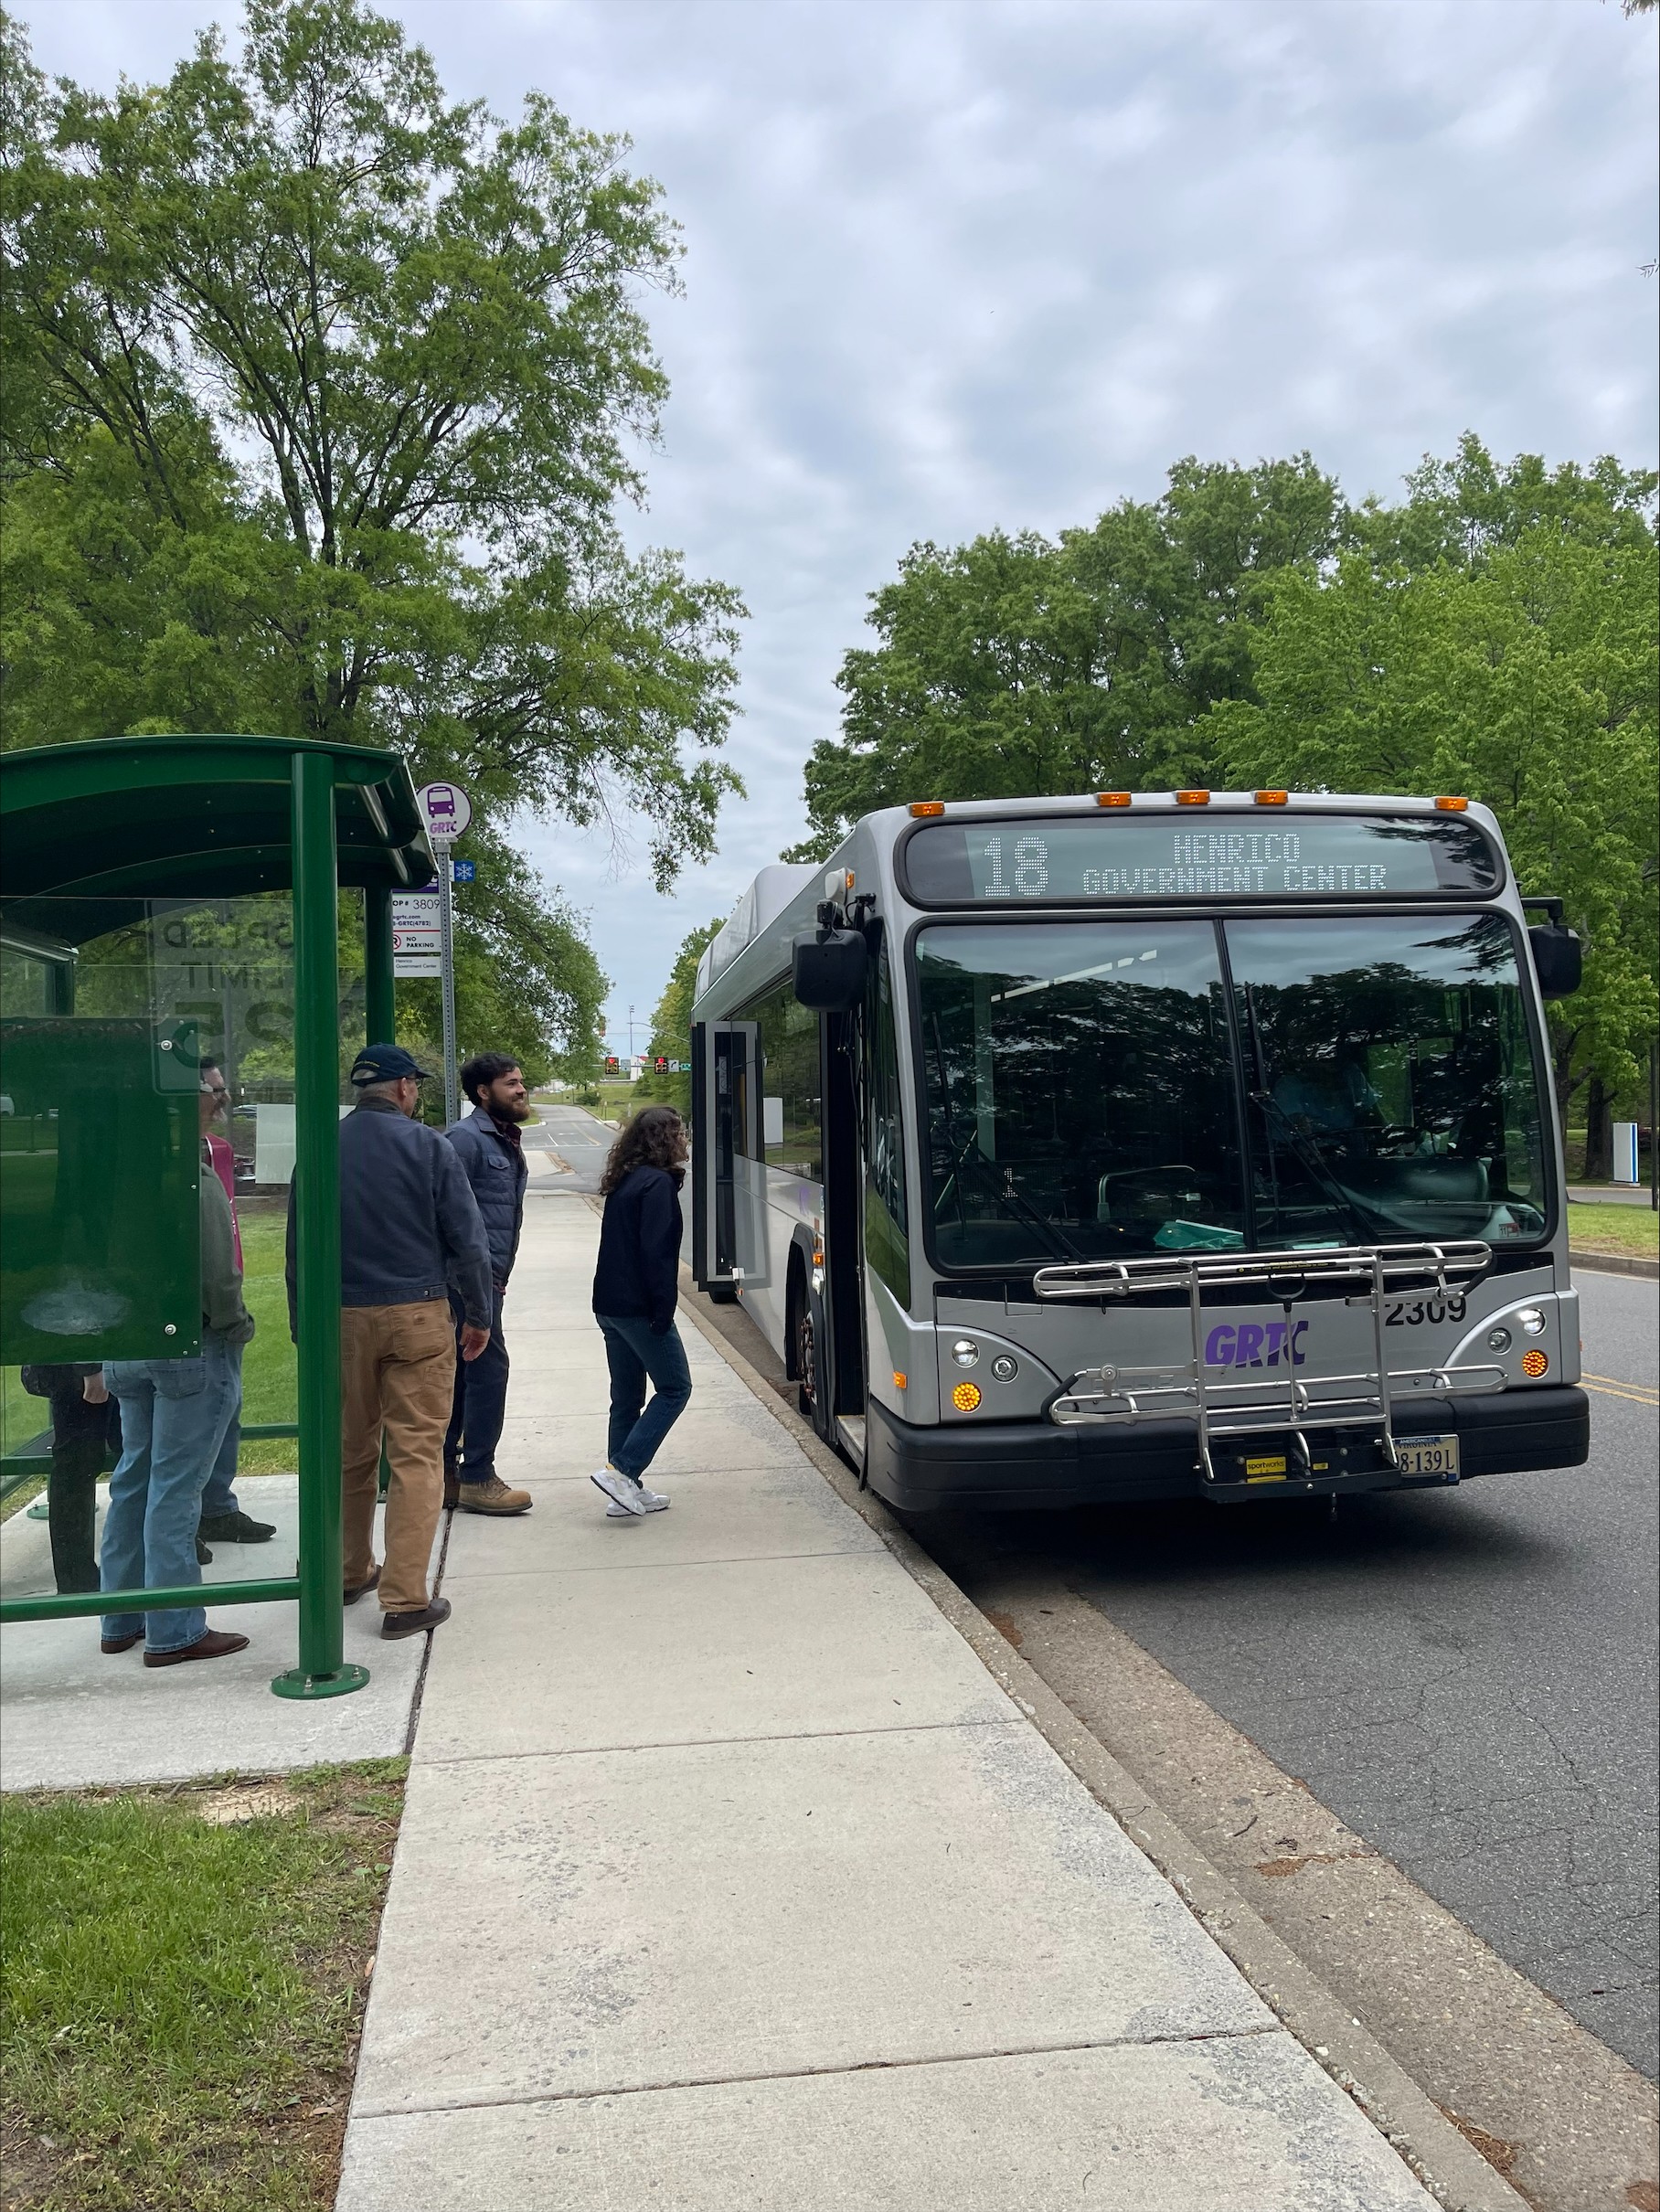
<point>709,1913</point>
<point>1239,2125</point>
<point>577,1661</point>
<point>71,1718</point>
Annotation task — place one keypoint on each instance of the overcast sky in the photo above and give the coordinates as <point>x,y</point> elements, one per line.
<point>1001,261</point>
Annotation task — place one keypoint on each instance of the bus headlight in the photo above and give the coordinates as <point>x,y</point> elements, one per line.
<point>1498,1340</point>
<point>965,1397</point>
<point>1531,1319</point>
<point>966,1351</point>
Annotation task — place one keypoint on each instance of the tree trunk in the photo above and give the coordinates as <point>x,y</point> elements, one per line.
<point>1598,1133</point>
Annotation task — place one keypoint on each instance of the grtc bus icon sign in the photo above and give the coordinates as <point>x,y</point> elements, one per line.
<point>446,810</point>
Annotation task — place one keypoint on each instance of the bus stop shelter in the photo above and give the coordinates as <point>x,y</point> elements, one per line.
<point>99,838</point>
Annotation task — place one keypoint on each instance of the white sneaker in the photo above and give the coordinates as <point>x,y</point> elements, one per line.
<point>619,1488</point>
<point>650,1501</point>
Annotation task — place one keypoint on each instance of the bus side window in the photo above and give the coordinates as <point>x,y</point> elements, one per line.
<point>887,1241</point>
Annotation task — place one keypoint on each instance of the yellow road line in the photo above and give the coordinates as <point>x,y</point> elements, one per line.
<point>1611,1390</point>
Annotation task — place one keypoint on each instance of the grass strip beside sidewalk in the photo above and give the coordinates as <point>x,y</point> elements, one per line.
<point>1631,1232</point>
<point>185,1973</point>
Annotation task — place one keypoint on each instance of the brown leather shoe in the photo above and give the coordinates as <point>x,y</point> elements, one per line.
<point>354,1592</point>
<point>415,1624</point>
<point>111,1644</point>
<point>493,1496</point>
<point>214,1643</point>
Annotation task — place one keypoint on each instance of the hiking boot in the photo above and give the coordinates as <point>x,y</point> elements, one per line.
<point>351,1594</point>
<point>235,1528</point>
<point>415,1624</point>
<point>204,1558</point>
<point>492,1495</point>
<point>213,1643</point>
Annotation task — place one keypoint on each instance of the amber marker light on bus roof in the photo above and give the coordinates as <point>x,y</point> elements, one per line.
<point>1112,798</point>
<point>928,806</point>
<point>1451,806</point>
<point>1193,798</point>
<point>1271,798</point>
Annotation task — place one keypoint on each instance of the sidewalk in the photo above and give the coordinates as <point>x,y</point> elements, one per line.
<point>729,1880</point>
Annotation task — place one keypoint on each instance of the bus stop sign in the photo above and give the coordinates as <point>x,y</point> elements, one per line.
<point>446,809</point>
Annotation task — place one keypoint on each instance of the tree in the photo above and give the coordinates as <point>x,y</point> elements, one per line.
<point>1021,665</point>
<point>1524,677</point>
<point>321,392</point>
<point>672,1021</point>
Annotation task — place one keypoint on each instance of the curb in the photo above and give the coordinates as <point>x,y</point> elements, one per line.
<point>1615,1263</point>
<point>1447,2164</point>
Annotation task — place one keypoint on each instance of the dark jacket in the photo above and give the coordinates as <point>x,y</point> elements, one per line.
<point>497,1170</point>
<point>639,1270</point>
<point>408,1228</point>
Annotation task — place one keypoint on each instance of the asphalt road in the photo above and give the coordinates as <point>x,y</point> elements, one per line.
<point>580,1142</point>
<point>1466,1677</point>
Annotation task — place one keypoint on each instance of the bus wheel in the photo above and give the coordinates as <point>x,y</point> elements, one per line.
<point>806,1359</point>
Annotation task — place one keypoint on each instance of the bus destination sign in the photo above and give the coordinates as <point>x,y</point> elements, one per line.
<point>1159,856</point>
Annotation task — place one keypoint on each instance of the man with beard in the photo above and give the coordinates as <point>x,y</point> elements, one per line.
<point>493,1154</point>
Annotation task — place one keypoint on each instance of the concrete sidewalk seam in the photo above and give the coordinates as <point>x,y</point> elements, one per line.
<point>1444,2159</point>
<point>823,2073</point>
<point>711,1743</point>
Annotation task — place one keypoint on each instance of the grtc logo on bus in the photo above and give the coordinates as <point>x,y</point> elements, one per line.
<point>1253,1345</point>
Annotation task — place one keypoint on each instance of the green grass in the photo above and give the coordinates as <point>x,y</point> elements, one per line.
<point>1634,1231</point>
<point>181,2000</point>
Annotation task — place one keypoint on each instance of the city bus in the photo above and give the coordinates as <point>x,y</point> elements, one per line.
<point>1147,1145</point>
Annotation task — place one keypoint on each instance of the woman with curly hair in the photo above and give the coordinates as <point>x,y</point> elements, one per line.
<point>635,1287</point>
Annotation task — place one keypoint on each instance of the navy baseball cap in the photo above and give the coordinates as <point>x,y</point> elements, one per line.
<point>387,1064</point>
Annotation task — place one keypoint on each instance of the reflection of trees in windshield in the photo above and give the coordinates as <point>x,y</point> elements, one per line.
<point>1393,1097</point>
<point>1078,1114</point>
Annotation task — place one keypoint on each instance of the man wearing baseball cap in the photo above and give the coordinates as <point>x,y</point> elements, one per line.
<point>409,1229</point>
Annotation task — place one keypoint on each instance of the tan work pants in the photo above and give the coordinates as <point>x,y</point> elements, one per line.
<point>397,1375</point>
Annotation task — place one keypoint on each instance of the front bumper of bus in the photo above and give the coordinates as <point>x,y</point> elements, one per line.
<point>1018,1465</point>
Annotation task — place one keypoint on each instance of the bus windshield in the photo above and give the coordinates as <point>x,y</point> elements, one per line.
<point>1118,1088</point>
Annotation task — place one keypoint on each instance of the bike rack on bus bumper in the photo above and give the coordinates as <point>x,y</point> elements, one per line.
<point>1232,1408</point>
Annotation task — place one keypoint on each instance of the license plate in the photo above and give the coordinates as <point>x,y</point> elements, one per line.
<point>1428,1454</point>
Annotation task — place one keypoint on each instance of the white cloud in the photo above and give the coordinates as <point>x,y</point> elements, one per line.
<point>951,265</point>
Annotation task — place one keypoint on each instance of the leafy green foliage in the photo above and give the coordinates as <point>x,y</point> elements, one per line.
<point>1018,666</point>
<point>321,393</point>
<point>1523,675</point>
<point>1492,633</point>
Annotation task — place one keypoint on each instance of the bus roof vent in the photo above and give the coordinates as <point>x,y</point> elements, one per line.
<point>761,905</point>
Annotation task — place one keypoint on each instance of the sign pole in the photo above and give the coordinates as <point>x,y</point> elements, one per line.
<point>446,954</point>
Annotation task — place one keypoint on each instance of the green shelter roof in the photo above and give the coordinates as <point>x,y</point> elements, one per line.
<point>90,834</point>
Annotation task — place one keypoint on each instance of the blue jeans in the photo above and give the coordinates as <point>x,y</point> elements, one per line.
<point>174,1414</point>
<point>633,1354</point>
<point>220,1497</point>
<point>481,1399</point>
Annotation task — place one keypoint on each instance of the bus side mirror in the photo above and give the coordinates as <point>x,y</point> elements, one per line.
<point>1557,959</point>
<point>828,970</point>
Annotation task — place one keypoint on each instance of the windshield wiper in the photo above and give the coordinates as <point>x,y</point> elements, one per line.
<point>970,1155</point>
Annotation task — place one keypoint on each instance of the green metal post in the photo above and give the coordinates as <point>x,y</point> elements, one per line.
<point>322,1672</point>
<point>380,996</point>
